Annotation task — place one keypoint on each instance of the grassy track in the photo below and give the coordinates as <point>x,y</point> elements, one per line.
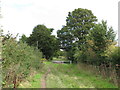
<point>66,76</point>
<point>69,76</point>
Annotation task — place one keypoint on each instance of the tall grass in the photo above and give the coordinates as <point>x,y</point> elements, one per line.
<point>19,60</point>
<point>75,76</point>
<point>107,73</point>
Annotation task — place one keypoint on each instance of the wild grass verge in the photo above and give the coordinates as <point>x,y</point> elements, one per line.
<point>73,76</point>
<point>106,73</point>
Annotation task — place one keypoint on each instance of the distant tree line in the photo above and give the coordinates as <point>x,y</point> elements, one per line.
<point>83,39</point>
<point>88,41</point>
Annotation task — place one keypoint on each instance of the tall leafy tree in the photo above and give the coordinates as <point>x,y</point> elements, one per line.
<point>102,37</point>
<point>79,23</point>
<point>42,39</point>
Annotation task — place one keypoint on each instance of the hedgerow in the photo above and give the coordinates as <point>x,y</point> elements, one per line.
<point>18,60</point>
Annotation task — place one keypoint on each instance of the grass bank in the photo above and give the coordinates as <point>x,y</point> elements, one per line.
<point>71,76</point>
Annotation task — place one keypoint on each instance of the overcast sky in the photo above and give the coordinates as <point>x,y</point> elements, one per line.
<point>21,16</point>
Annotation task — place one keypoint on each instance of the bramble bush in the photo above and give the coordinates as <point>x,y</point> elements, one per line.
<point>19,60</point>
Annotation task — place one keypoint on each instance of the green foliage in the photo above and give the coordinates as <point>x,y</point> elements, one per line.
<point>78,55</point>
<point>102,37</point>
<point>42,39</point>
<point>97,46</point>
<point>60,53</point>
<point>115,56</point>
<point>65,38</point>
<point>78,25</point>
<point>66,42</point>
<point>111,48</point>
<point>23,38</point>
<point>18,61</point>
<point>83,40</point>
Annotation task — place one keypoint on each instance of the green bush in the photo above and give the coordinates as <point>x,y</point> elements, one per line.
<point>115,56</point>
<point>18,61</point>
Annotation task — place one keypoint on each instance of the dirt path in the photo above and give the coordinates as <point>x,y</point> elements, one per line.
<point>43,81</point>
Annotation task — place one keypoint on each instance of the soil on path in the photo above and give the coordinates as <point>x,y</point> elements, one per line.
<point>43,81</point>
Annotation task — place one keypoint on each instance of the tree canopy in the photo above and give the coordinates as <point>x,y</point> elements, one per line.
<point>42,39</point>
<point>78,25</point>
